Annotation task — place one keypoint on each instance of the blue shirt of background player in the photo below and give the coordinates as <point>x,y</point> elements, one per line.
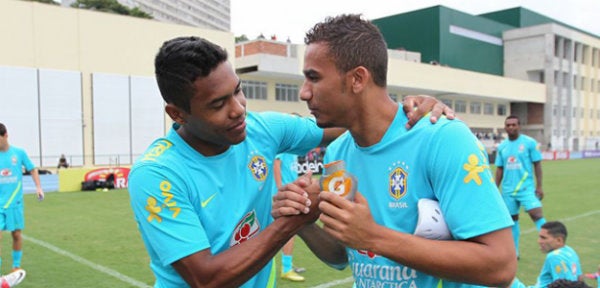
<point>517,158</point>
<point>443,162</point>
<point>185,202</point>
<point>12,162</point>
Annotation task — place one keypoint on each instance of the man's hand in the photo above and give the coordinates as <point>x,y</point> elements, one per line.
<point>40,194</point>
<point>296,197</point>
<point>417,106</point>
<point>348,222</point>
<point>539,193</point>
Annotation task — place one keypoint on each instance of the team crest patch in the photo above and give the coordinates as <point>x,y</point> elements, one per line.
<point>398,183</point>
<point>258,167</point>
<point>245,229</point>
<point>5,172</point>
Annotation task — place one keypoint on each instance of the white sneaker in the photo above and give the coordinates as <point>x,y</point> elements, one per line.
<point>13,279</point>
<point>431,223</point>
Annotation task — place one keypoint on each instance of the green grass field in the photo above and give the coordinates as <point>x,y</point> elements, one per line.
<point>89,239</point>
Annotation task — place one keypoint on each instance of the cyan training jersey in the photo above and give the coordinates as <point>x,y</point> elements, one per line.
<point>443,162</point>
<point>561,263</point>
<point>185,202</point>
<point>12,162</point>
<point>517,157</point>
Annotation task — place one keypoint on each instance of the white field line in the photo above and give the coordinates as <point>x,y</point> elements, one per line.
<point>531,230</point>
<point>350,279</point>
<point>88,263</point>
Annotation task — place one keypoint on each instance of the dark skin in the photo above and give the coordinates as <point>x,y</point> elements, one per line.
<point>216,121</point>
<point>513,128</point>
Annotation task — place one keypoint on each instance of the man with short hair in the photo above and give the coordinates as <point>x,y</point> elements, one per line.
<point>12,161</point>
<point>345,68</point>
<point>562,262</point>
<point>517,159</point>
<point>202,195</point>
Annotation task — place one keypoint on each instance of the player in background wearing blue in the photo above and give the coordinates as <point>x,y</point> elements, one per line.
<point>562,262</point>
<point>345,68</point>
<point>517,159</point>
<point>202,195</point>
<point>12,161</point>
<point>285,171</point>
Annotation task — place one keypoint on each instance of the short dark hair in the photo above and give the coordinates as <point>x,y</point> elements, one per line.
<point>353,42</point>
<point>180,62</point>
<point>563,283</point>
<point>514,117</point>
<point>2,129</point>
<point>556,229</point>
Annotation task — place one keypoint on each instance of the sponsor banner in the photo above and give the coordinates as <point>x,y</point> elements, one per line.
<point>556,155</point>
<point>119,175</point>
<point>590,154</point>
<point>576,155</point>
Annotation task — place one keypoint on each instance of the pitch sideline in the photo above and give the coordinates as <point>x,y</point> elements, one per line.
<point>88,263</point>
<point>350,279</point>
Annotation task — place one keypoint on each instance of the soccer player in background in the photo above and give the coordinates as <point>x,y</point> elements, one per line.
<point>517,160</point>
<point>201,195</point>
<point>345,68</point>
<point>562,262</point>
<point>12,161</point>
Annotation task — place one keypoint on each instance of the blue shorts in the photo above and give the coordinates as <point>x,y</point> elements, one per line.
<point>12,219</point>
<point>526,198</point>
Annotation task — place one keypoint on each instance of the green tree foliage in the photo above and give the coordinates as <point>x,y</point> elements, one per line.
<point>242,38</point>
<point>110,6</point>
<point>44,1</point>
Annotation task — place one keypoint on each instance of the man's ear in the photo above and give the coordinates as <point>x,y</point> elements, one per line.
<point>177,114</point>
<point>359,77</point>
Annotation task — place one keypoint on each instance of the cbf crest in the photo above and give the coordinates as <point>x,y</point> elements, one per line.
<point>258,167</point>
<point>398,179</point>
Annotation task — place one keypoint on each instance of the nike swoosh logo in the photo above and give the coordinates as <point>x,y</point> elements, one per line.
<point>205,202</point>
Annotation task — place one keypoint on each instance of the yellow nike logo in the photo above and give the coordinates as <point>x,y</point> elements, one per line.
<point>205,202</point>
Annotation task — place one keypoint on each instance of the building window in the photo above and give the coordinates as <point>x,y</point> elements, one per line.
<point>254,89</point>
<point>460,106</point>
<point>554,110</point>
<point>488,109</point>
<point>501,110</point>
<point>574,112</point>
<point>447,102</point>
<point>564,112</point>
<point>475,108</point>
<point>286,92</point>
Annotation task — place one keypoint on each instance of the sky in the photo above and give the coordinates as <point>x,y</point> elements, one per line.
<point>285,18</point>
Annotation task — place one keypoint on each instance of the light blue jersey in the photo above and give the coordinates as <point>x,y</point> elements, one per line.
<point>517,158</point>
<point>12,162</point>
<point>289,171</point>
<point>561,263</point>
<point>185,202</point>
<point>443,162</point>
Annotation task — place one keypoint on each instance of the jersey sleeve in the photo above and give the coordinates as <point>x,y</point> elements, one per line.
<point>534,151</point>
<point>499,161</point>
<point>165,214</point>
<point>296,135</point>
<point>25,160</point>
<point>463,183</point>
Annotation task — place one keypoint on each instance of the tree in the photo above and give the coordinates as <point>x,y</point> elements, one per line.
<point>44,1</point>
<point>110,6</point>
<point>241,38</point>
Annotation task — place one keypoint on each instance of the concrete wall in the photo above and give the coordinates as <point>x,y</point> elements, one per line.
<point>52,37</point>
